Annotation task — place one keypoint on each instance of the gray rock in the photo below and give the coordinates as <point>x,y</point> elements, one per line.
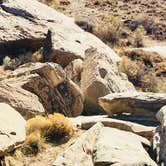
<point>12,128</point>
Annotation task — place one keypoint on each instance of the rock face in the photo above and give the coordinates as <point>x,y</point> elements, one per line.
<point>86,122</point>
<point>159,139</point>
<point>26,103</point>
<point>12,130</point>
<point>74,70</point>
<point>65,42</point>
<point>116,147</point>
<point>136,103</point>
<point>48,82</point>
<point>80,152</point>
<point>100,77</point>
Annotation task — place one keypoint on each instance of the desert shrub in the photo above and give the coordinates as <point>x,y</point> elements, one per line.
<point>33,144</point>
<point>138,35</point>
<point>52,3</point>
<point>109,30</point>
<point>142,75</point>
<point>54,126</point>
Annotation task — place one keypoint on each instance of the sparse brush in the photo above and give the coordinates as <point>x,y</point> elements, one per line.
<point>54,126</point>
<point>138,35</point>
<point>33,144</point>
<point>109,30</point>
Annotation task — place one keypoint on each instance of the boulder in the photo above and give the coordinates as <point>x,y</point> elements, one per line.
<point>12,128</point>
<point>117,147</point>
<point>100,77</point>
<point>159,139</point>
<point>80,153</point>
<point>26,103</point>
<point>49,83</point>
<point>136,103</point>
<point>65,41</point>
<point>86,122</point>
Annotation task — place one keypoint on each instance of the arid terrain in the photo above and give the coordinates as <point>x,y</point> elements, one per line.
<point>82,82</point>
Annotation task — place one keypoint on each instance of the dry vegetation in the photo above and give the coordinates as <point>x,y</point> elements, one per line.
<point>145,70</point>
<point>40,129</point>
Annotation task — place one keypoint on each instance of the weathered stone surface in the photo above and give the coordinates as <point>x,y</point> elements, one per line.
<point>136,103</point>
<point>12,128</point>
<point>100,77</point>
<point>28,30</point>
<point>48,81</point>
<point>117,147</point>
<point>159,139</point>
<point>26,103</point>
<point>74,70</point>
<point>80,152</point>
<point>86,122</point>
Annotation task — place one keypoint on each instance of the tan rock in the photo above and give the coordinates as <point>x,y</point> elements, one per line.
<point>86,122</point>
<point>26,103</point>
<point>74,70</point>
<point>48,81</point>
<point>136,103</point>
<point>12,128</point>
<point>100,77</point>
<point>117,147</point>
<point>80,152</point>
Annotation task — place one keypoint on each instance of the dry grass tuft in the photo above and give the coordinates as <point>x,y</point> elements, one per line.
<point>54,127</point>
<point>109,30</point>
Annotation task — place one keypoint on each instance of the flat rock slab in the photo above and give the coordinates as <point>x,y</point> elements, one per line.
<point>12,128</point>
<point>80,153</point>
<point>86,122</point>
<point>136,103</point>
<point>117,147</point>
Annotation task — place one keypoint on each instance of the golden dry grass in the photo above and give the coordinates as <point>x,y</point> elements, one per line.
<point>40,129</point>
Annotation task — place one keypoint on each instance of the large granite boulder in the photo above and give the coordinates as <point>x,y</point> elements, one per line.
<point>100,77</point>
<point>48,82</point>
<point>136,103</point>
<point>12,128</point>
<point>116,147</point>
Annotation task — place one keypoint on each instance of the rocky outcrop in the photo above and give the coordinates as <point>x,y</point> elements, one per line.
<point>159,139</point>
<point>64,43</point>
<point>12,130</point>
<point>48,82</point>
<point>80,152</point>
<point>74,70</point>
<point>26,103</point>
<point>86,122</point>
<point>136,103</point>
<point>100,77</point>
<point>117,147</point>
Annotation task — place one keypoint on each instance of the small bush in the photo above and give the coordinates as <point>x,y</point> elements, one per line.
<point>138,35</point>
<point>33,144</point>
<point>54,126</point>
<point>109,30</point>
<point>51,128</point>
